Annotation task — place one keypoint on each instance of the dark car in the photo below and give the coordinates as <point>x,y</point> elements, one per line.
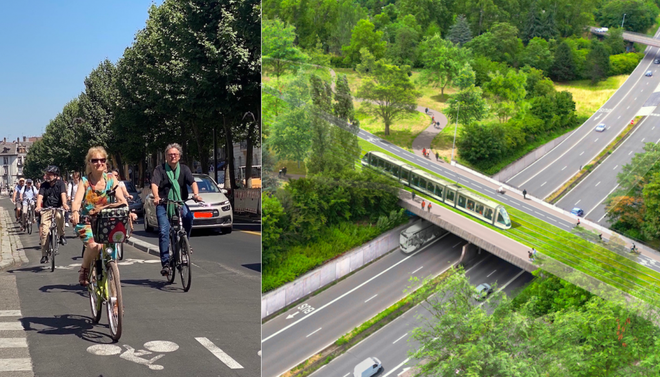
<point>577,212</point>
<point>136,203</point>
<point>656,61</point>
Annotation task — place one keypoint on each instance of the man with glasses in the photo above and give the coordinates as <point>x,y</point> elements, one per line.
<point>51,194</point>
<point>27,193</point>
<point>170,181</point>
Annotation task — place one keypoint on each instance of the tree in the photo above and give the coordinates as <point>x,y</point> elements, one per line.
<point>388,93</point>
<point>533,24</point>
<point>598,63</point>
<point>563,68</point>
<point>348,15</point>
<point>364,36</point>
<point>290,135</point>
<point>403,50</point>
<point>500,44</point>
<point>428,12</point>
<point>640,15</point>
<point>468,104</point>
<point>443,61</point>
<point>460,33</point>
<point>537,55</point>
<point>278,49</point>
<point>614,41</point>
<point>346,141</point>
<point>466,77</point>
<point>343,106</point>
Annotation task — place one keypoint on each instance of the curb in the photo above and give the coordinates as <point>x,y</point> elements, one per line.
<point>143,246</point>
<point>11,248</point>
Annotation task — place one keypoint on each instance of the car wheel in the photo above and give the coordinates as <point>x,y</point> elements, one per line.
<point>226,230</point>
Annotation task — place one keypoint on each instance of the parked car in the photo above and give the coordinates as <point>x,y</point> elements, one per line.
<point>601,127</point>
<point>648,73</point>
<point>483,290</point>
<point>577,212</point>
<point>136,202</point>
<point>217,213</point>
<point>367,368</point>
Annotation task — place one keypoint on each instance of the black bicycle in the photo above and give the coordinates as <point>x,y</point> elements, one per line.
<point>52,248</point>
<point>179,246</point>
<point>27,216</point>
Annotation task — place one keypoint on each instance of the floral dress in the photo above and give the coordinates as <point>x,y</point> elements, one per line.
<point>92,199</point>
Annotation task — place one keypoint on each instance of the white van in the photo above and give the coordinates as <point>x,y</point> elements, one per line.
<point>367,368</point>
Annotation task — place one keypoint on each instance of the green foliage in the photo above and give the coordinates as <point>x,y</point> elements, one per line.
<point>598,63</point>
<point>365,36</point>
<point>273,215</point>
<point>483,67</point>
<point>481,144</point>
<point>537,54</point>
<point>640,14</point>
<point>468,105</point>
<point>614,41</point>
<point>624,64</point>
<point>500,44</point>
<point>564,67</point>
<point>290,134</point>
<point>460,33</point>
<point>443,61</point>
<point>279,51</point>
<point>404,49</point>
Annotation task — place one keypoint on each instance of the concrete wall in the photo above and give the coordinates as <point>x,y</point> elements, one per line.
<point>468,253</point>
<point>516,167</point>
<point>330,271</point>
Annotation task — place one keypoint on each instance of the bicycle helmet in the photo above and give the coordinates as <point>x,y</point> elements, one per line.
<point>53,169</point>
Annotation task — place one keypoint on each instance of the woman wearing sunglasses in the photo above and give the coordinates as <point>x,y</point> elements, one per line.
<point>92,192</point>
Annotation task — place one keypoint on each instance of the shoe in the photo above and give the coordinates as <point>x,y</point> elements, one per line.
<point>62,240</point>
<point>165,271</point>
<point>44,259</point>
<point>67,225</point>
<point>82,276</point>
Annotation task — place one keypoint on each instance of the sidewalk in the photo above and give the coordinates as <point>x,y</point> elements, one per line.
<point>11,248</point>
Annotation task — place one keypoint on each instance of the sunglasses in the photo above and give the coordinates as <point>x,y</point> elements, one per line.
<point>97,160</point>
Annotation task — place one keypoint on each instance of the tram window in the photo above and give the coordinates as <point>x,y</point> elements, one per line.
<point>405,174</point>
<point>470,205</point>
<point>422,183</point>
<point>413,180</point>
<point>438,191</point>
<point>450,196</point>
<point>489,214</point>
<point>504,216</point>
<point>461,201</point>
<point>480,209</point>
<point>500,219</point>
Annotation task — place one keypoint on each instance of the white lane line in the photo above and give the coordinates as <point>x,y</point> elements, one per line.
<point>15,365</point>
<point>657,141</point>
<point>544,183</point>
<point>404,335</point>
<point>561,170</point>
<point>491,273</point>
<point>369,299</point>
<point>351,291</point>
<point>605,214</point>
<point>220,354</point>
<point>347,374</point>
<point>550,218</point>
<point>630,153</point>
<point>634,100</point>
<point>417,270</point>
<point>13,343</point>
<point>597,184</point>
<point>619,117</point>
<point>608,194</point>
<point>643,139</point>
<point>578,202</point>
<point>596,140</point>
<point>477,186</point>
<point>539,213</point>
<point>627,107</point>
<point>615,167</point>
<point>512,280</point>
<point>529,209</point>
<point>314,332</point>
<point>10,313</point>
<point>582,153</point>
<point>457,244</point>
<point>448,173</point>
<point>397,367</point>
<point>10,326</point>
<point>653,128</point>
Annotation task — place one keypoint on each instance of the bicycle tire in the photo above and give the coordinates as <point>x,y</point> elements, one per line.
<point>119,247</point>
<point>95,301</point>
<point>185,263</point>
<point>51,251</point>
<point>29,222</point>
<point>115,302</point>
<point>173,262</point>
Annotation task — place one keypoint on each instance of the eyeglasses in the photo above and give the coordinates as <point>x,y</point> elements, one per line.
<point>97,160</point>
<point>172,154</point>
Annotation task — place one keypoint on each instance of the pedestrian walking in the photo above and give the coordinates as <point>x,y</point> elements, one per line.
<point>578,223</point>
<point>524,194</point>
<point>601,237</point>
<point>424,151</point>
<point>437,156</point>
<point>429,207</point>
<point>413,196</point>
<point>423,204</point>
<point>426,110</point>
<point>531,256</point>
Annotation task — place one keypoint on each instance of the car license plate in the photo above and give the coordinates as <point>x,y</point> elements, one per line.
<point>202,214</point>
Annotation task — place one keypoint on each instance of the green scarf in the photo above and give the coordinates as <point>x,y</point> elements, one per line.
<point>175,191</point>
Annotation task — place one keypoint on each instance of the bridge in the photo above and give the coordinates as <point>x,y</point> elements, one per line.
<point>631,37</point>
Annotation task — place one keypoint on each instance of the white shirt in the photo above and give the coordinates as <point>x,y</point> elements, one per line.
<point>72,189</point>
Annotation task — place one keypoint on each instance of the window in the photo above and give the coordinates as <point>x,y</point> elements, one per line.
<point>489,214</point>
<point>503,217</point>
<point>415,180</point>
<point>480,209</point>
<point>470,205</point>
<point>450,196</point>
<point>405,174</point>
<point>422,183</point>
<point>438,191</point>
<point>461,201</point>
<point>6,160</point>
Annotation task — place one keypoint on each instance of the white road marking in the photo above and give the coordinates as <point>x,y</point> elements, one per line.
<point>635,100</point>
<point>529,209</point>
<point>10,313</point>
<point>597,184</point>
<point>161,346</point>
<point>630,153</point>
<point>653,128</point>
<point>544,183</point>
<point>403,371</point>
<point>596,140</point>
<point>417,270</point>
<point>619,117</point>
<point>10,326</point>
<point>457,244</point>
<point>582,153</point>
<point>605,214</point>
<point>13,343</point>
<point>539,213</point>
<point>369,299</point>
<point>550,218</point>
<point>615,167</point>
<point>627,107</point>
<point>397,367</point>
<point>347,374</point>
<point>15,365</point>
<point>578,202</point>
<point>220,354</point>
<point>643,139</point>
<point>404,335</point>
<point>608,194</point>
<point>314,332</point>
<point>491,273</point>
<point>564,168</point>
<point>104,350</point>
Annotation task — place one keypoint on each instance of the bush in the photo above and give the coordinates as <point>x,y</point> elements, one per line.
<point>338,62</point>
<point>624,64</point>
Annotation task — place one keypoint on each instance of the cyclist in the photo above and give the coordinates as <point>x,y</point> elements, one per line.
<point>28,193</point>
<point>51,194</point>
<point>15,195</point>
<point>71,189</point>
<point>93,191</point>
<point>170,180</point>
<point>122,187</point>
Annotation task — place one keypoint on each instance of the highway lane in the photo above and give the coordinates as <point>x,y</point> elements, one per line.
<point>593,190</point>
<point>557,166</point>
<point>214,329</point>
<point>392,343</point>
<point>320,320</point>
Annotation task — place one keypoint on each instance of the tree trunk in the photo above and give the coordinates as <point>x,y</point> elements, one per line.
<point>230,154</point>
<point>203,156</point>
<point>248,157</point>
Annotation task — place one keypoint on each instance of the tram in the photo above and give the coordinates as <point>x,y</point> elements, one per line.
<point>446,192</point>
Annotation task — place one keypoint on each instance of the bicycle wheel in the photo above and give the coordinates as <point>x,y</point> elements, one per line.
<point>51,250</point>
<point>185,263</point>
<point>30,219</point>
<point>173,260</point>
<point>115,304</point>
<point>95,299</point>
<point>120,250</point>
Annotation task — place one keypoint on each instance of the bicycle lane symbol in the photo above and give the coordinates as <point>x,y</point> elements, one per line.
<point>131,354</point>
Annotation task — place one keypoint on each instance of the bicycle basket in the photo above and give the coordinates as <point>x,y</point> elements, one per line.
<point>109,224</point>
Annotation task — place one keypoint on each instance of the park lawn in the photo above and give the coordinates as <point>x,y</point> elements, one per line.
<point>589,98</point>
<point>291,167</point>
<point>582,255</point>
<point>430,96</point>
<point>402,132</point>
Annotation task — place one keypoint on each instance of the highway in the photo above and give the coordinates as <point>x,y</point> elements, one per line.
<point>551,171</point>
<point>391,344</point>
<point>211,330</point>
<point>294,336</point>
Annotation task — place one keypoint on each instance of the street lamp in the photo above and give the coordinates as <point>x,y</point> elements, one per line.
<point>455,129</point>
<point>624,20</point>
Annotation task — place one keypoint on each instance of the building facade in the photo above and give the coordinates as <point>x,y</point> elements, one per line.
<point>12,159</point>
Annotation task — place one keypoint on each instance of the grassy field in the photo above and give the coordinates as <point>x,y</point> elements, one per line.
<point>582,255</point>
<point>402,132</point>
<point>589,98</point>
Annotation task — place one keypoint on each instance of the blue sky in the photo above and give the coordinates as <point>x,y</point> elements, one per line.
<point>47,48</point>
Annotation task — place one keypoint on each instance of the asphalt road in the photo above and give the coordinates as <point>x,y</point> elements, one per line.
<point>391,344</point>
<point>551,171</point>
<point>306,329</point>
<point>214,329</point>
<point>593,190</point>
